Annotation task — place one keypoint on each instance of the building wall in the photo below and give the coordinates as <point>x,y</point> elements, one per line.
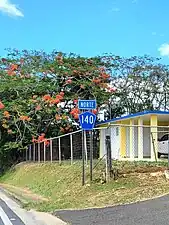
<point>127,146</point>
<point>146,142</point>
<point>135,141</point>
<point>115,142</point>
<point>124,142</point>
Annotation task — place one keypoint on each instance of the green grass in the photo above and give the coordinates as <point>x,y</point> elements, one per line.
<point>61,185</point>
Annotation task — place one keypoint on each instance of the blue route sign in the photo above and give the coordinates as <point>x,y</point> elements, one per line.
<point>87,120</point>
<point>87,104</point>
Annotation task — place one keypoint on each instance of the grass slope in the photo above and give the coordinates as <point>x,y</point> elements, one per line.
<point>61,188</point>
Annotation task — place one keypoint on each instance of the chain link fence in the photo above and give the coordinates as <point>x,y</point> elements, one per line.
<point>69,149</point>
<point>97,150</point>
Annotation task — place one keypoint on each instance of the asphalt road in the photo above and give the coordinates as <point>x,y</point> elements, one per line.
<point>7,216</point>
<point>152,212</point>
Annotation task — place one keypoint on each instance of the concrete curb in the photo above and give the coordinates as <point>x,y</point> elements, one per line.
<point>31,217</point>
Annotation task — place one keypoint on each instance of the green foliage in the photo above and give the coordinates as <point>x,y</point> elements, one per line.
<point>37,93</point>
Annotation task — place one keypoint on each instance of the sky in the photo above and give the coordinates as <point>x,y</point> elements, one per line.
<point>88,28</point>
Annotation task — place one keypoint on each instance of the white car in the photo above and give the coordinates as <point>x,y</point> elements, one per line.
<point>163,145</point>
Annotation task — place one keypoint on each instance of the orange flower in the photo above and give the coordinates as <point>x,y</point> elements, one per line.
<point>14,67</point>
<point>25,118</point>
<point>1,105</point>
<point>74,111</point>
<point>105,75</point>
<point>96,81</point>
<point>6,114</point>
<point>54,101</point>
<point>46,97</point>
<point>94,111</point>
<point>62,93</point>
<point>60,97</point>
<point>41,138</point>
<point>11,73</point>
<point>76,116</point>
<point>47,142</point>
<point>57,117</point>
<point>34,140</point>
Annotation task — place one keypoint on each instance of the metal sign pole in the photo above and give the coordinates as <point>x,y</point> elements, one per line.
<point>83,160</point>
<point>87,122</point>
<point>91,156</point>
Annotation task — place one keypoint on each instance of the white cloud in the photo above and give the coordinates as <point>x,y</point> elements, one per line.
<point>164,49</point>
<point>11,9</point>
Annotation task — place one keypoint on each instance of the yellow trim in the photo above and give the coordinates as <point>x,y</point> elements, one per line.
<point>122,141</point>
<point>131,138</point>
<point>153,130</point>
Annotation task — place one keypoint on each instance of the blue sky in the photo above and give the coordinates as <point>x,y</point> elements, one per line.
<point>90,27</point>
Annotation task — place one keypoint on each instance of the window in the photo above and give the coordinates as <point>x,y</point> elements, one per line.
<point>164,138</point>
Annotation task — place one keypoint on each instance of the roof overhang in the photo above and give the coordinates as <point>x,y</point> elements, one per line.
<point>161,116</point>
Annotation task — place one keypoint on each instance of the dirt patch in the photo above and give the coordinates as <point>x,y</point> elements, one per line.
<point>25,192</point>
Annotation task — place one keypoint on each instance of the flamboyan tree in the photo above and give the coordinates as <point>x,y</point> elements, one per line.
<point>39,93</point>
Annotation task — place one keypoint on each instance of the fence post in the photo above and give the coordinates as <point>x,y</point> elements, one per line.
<point>85,146</point>
<point>60,160</point>
<point>34,152</point>
<point>91,155</point>
<point>71,148</point>
<point>38,152</point>
<point>108,160</point>
<point>30,148</point>
<point>44,151</point>
<point>27,152</point>
<point>83,159</point>
<point>51,151</point>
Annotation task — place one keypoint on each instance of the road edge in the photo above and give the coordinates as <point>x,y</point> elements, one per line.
<point>30,217</point>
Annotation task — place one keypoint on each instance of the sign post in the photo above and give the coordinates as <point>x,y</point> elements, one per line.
<point>91,156</point>
<point>87,121</point>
